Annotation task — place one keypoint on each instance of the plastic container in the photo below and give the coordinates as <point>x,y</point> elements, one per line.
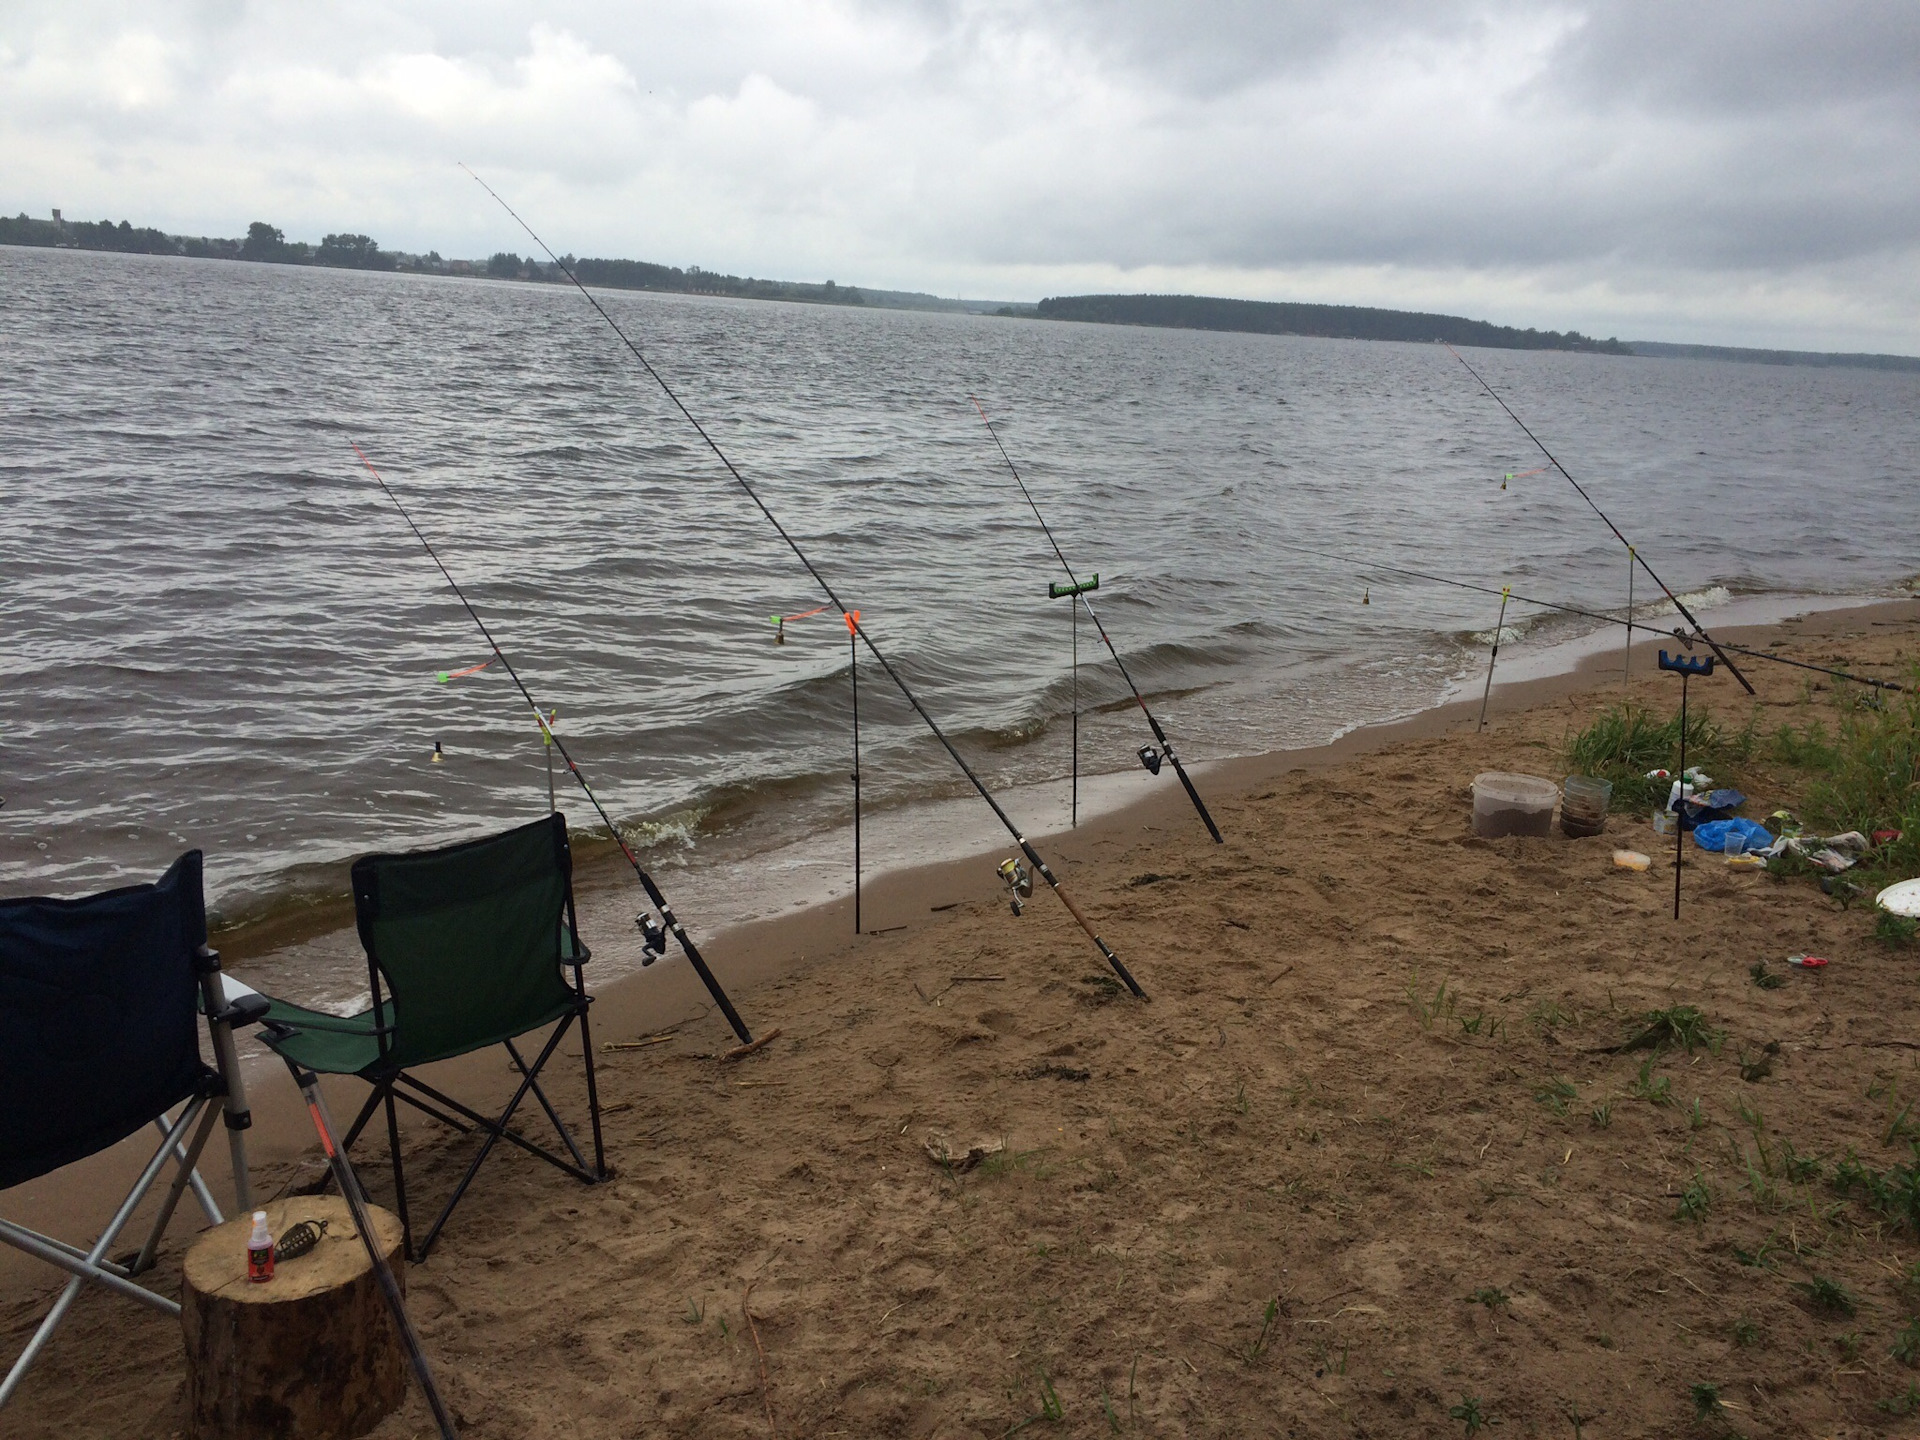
<point>260,1250</point>
<point>1506,804</point>
<point>1583,805</point>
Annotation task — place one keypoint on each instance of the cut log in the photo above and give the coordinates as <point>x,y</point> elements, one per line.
<point>312,1352</point>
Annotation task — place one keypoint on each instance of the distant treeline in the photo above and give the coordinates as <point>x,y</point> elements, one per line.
<point>267,244</point>
<point>1333,322</point>
<point>643,275</point>
<point>1662,351</point>
<point>262,242</point>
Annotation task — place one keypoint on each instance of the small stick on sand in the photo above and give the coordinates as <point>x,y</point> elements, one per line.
<point>765,1398</point>
<point>660,1039</point>
<point>740,1052</point>
<point>978,979</point>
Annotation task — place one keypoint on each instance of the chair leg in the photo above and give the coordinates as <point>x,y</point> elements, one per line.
<point>494,1132</point>
<point>100,1248</point>
<point>200,1190</point>
<point>209,1114</point>
<point>565,1137</point>
<point>593,1094</point>
<point>399,1176</point>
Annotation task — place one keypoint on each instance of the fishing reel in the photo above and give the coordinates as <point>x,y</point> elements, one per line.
<point>1151,758</point>
<point>653,938</point>
<point>1018,882</point>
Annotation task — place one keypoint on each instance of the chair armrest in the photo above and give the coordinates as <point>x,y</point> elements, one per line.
<point>308,1022</point>
<point>248,1009</point>
<point>572,950</point>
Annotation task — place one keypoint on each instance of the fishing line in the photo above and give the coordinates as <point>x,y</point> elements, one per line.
<point>653,936</point>
<point>1026,846</point>
<point>1148,757</point>
<point>1378,567</point>
<point>1632,554</point>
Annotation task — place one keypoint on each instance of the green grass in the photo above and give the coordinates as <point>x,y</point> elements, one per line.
<point>1627,740</point>
<point>1469,1414</point>
<point>1766,979</point>
<point>1681,1025</point>
<point>1654,1089</point>
<point>1906,1345</point>
<point>1828,1297</point>
<point>1896,932</point>
<point>1490,1296</point>
<point>1259,1344</point>
<point>1556,1094</point>
<point>1706,1401</point>
<point>1695,1200</point>
<point>1745,1332</point>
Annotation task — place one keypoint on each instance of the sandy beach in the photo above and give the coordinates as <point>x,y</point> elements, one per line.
<point>1371,1160</point>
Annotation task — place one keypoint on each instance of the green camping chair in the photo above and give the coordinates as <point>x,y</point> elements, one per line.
<point>467,947</point>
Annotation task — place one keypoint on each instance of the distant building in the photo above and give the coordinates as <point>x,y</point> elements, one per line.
<point>56,218</point>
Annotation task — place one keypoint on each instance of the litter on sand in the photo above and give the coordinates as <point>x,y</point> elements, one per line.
<point>1713,834</point>
<point>943,1151</point>
<point>1807,962</point>
<point>1630,860</point>
<point>1902,899</point>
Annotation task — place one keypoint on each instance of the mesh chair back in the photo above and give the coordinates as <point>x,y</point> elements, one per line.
<point>98,1024</point>
<point>467,939</point>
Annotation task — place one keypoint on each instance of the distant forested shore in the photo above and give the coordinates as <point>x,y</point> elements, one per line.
<point>267,244</point>
<point>1331,322</point>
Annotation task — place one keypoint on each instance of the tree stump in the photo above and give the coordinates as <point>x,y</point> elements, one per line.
<point>312,1353</point>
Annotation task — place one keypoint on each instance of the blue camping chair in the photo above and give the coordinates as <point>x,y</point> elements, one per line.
<point>99,1038</point>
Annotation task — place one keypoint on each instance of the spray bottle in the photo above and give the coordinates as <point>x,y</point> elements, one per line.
<point>260,1250</point>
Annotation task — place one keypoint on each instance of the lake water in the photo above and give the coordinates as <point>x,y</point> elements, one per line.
<point>215,631</point>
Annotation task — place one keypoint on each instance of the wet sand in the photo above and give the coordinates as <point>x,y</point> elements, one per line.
<point>1280,1123</point>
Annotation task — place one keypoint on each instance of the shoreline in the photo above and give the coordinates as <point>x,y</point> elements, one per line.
<point>1380,1096</point>
<point>931,831</point>
<point>757,958</point>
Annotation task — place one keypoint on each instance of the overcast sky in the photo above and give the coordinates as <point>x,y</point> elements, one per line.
<point>1737,173</point>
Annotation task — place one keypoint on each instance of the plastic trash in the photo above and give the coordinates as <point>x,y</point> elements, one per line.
<point>1807,962</point>
<point>1901,899</point>
<point>1630,860</point>
<point>1712,834</point>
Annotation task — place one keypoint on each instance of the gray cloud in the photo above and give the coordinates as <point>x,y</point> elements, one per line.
<point>1717,171</point>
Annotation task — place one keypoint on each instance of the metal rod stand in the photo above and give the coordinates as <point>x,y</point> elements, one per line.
<point>1487,690</point>
<point>853,677</point>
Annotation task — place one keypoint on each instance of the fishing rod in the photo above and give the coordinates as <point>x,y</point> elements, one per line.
<point>1632,553</point>
<point>1378,567</point>
<point>1147,754</point>
<point>652,934</point>
<point>1026,846</point>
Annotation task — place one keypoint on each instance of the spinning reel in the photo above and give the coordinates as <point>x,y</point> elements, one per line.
<point>1151,758</point>
<point>1018,882</point>
<point>653,937</point>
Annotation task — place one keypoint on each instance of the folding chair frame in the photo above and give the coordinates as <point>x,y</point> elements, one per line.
<point>393,1086</point>
<point>196,1118</point>
<point>407,1089</point>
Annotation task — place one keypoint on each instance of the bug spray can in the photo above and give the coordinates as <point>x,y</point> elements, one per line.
<point>260,1250</point>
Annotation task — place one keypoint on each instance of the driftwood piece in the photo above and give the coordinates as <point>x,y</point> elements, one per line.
<point>310,1353</point>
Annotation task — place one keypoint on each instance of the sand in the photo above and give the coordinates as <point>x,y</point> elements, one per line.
<point>1302,1191</point>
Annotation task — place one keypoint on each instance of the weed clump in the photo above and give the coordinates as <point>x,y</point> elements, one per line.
<point>1896,932</point>
<point>1706,1401</point>
<point>1469,1414</point>
<point>1695,1200</point>
<point>1893,1192</point>
<point>1828,1297</point>
<point>1681,1025</point>
<point>1626,741</point>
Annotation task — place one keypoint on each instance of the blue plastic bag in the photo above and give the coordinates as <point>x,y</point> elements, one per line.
<point>1712,834</point>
